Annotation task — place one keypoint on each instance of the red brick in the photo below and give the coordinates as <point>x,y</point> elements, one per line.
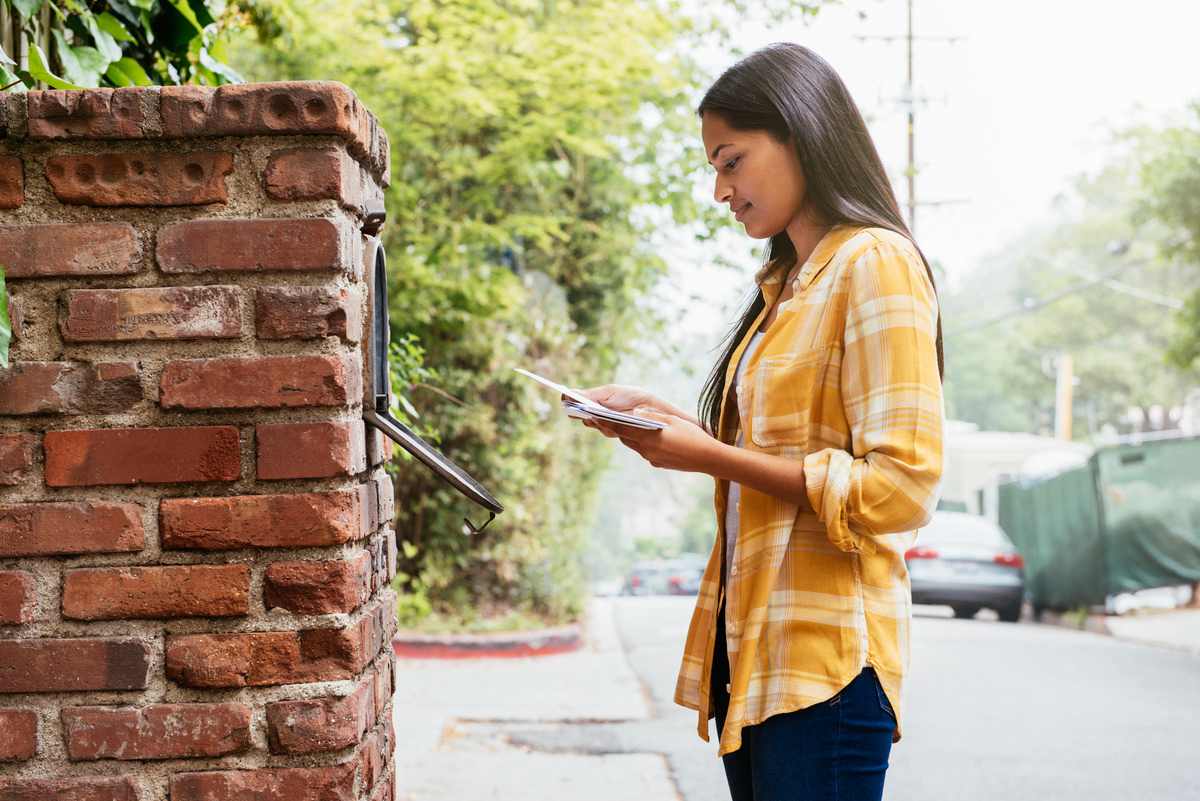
<point>17,599</point>
<point>49,529</point>
<point>383,682</point>
<point>320,724</point>
<point>140,179</point>
<point>40,666</point>
<point>376,755</point>
<point>284,107</point>
<point>379,447</point>
<point>141,455</point>
<point>194,312</point>
<point>12,182</point>
<point>392,555</point>
<point>386,493</point>
<point>97,788</point>
<point>16,317</point>
<point>262,658</point>
<point>114,593</point>
<point>261,521</point>
<point>18,734</point>
<point>313,174</point>
<point>332,783</point>
<point>308,312</point>
<point>16,457</point>
<point>310,450</point>
<point>318,587</point>
<point>385,791</point>
<point>160,731</point>
<point>283,244</point>
<point>84,249</point>
<point>69,387</point>
<point>370,756</point>
<point>90,114</point>
<point>261,382</point>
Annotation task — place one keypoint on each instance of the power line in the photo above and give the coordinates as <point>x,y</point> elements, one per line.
<point>1094,279</point>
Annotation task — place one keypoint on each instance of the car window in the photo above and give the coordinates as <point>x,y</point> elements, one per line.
<point>962,529</point>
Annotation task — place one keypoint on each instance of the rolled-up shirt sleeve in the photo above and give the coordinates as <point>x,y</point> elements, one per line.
<point>892,398</point>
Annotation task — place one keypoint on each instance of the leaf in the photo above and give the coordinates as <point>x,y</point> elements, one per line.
<point>81,65</point>
<point>105,43</point>
<point>224,70</point>
<point>144,5</point>
<point>39,71</point>
<point>408,407</point>
<point>134,72</point>
<point>4,59</point>
<point>185,11</point>
<point>114,27</point>
<point>5,326</point>
<point>203,15</point>
<point>117,76</point>
<point>27,8</point>
<point>12,80</point>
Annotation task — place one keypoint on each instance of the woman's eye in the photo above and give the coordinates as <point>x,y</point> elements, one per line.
<point>729,165</point>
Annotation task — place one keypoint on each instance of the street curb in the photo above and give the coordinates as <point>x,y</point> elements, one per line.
<point>1093,622</point>
<point>500,645</point>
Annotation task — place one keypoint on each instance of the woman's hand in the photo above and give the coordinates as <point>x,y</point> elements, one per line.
<point>682,445</point>
<point>624,398</point>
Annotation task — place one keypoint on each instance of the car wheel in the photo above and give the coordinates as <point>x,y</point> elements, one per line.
<point>965,611</point>
<point>1010,613</point>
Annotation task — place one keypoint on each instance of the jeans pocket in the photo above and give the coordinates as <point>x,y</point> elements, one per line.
<point>883,699</point>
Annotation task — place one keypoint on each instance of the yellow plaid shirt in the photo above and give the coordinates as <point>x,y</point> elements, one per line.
<point>846,380</point>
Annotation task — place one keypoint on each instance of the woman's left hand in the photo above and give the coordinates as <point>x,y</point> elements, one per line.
<point>682,445</point>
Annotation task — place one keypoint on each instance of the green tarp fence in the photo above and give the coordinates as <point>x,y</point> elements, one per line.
<point>1127,520</point>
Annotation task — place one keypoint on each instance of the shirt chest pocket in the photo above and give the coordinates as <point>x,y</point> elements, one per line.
<point>787,395</point>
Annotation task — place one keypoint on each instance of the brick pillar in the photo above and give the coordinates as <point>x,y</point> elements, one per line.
<point>195,528</point>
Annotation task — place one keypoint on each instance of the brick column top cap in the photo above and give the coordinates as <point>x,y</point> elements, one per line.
<point>281,108</point>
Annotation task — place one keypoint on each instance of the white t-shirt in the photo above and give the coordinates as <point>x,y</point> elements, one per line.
<point>735,490</point>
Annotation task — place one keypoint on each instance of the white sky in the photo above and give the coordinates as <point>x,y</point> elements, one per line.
<point>1022,103</point>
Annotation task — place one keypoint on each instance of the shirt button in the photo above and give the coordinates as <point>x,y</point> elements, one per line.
<point>733,570</point>
<point>728,687</point>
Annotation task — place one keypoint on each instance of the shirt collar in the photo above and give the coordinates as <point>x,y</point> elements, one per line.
<point>772,284</point>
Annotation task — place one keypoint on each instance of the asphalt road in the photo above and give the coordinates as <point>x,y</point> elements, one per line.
<point>994,712</point>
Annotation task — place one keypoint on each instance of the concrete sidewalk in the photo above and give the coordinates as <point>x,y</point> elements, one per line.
<point>1173,628</point>
<point>1177,628</point>
<point>451,717</point>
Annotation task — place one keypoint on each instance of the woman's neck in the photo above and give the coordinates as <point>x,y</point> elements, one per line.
<point>805,232</point>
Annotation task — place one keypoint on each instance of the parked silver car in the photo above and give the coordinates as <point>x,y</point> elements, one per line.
<point>678,576</point>
<point>968,563</point>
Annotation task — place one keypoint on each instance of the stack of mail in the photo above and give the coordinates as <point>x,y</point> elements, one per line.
<point>579,405</point>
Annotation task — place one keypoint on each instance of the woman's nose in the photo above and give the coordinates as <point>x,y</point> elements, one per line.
<point>721,191</point>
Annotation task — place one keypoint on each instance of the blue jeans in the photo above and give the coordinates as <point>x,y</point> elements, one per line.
<point>836,750</point>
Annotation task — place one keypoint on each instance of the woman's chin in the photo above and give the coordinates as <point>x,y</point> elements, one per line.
<point>754,232</point>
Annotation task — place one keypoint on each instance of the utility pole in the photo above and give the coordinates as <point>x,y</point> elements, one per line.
<point>910,95</point>
<point>909,100</point>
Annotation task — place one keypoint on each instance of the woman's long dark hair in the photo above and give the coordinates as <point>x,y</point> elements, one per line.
<point>796,97</point>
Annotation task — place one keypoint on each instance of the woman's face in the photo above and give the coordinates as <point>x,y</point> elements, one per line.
<point>757,176</point>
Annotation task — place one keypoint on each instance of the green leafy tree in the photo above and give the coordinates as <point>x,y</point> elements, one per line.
<point>1170,180</point>
<point>536,147</point>
<point>73,44</point>
<point>1043,296</point>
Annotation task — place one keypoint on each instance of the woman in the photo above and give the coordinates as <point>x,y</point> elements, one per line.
<point>822,425</point>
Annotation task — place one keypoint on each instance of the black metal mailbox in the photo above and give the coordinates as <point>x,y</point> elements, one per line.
<point>377,403</point>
